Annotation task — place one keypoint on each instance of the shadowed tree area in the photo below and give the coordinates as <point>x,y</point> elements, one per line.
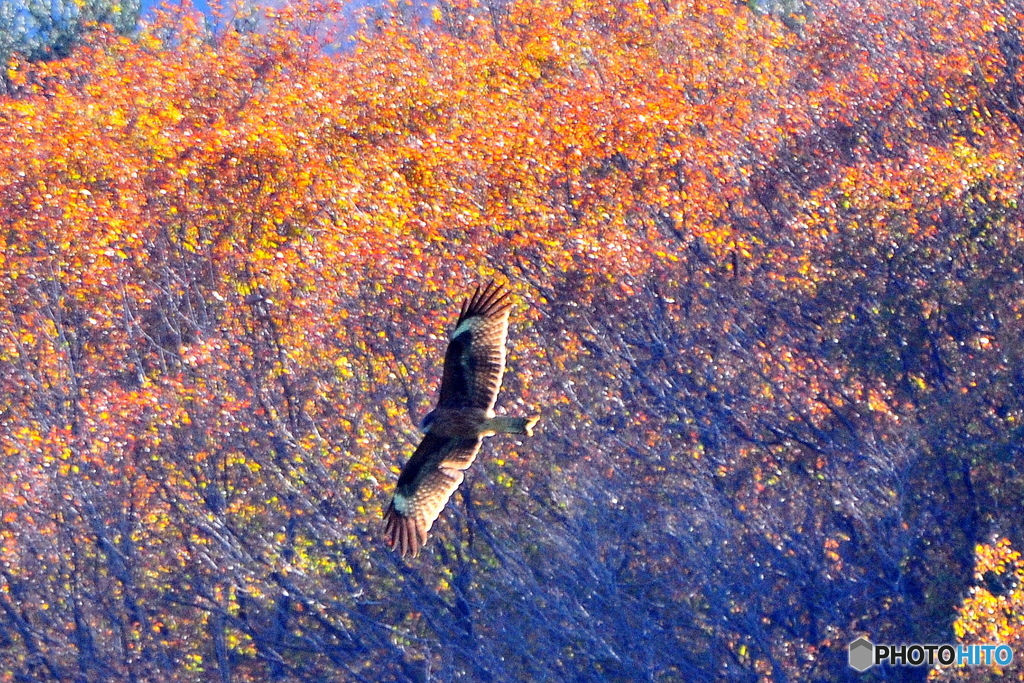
<point>50,29</point>
<point>768,272</point>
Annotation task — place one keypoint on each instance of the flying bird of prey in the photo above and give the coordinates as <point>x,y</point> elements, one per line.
<point>454,430</point>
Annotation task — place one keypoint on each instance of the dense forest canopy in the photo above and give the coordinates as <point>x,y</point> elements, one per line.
<point>769,280</point>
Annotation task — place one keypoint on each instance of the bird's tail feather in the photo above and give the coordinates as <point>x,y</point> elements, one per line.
<point>513,425</point>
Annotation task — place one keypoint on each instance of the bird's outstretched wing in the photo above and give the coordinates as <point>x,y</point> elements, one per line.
<point>426,483</point>
<point>475,359</point>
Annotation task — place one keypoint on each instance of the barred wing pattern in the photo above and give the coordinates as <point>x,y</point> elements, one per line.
<point>428,480</point>
<point>473,366</point>
<point>475,359</point>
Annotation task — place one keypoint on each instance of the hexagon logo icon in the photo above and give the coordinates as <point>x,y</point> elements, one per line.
<point>862,654</point>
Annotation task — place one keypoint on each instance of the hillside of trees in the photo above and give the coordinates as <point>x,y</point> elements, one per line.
<point>769,282</point>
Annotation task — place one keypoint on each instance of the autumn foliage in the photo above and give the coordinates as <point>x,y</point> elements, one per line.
<point>769,275</point>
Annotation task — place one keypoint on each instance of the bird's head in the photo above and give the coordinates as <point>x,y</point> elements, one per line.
<point>427,421</point>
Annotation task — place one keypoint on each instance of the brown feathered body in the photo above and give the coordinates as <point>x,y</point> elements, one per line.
<point>454,430</point>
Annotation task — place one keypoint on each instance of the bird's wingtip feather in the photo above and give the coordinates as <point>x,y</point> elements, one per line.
<point>488,299</point>
<point>403,533</point>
